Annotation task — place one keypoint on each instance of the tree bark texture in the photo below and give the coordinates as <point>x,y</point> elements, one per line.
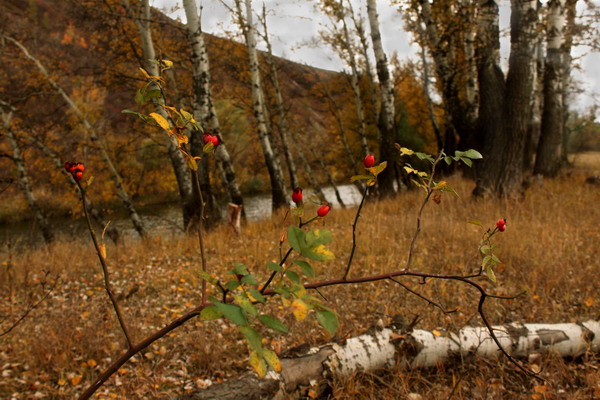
<point>383,348</point>
<point>548,159</point>
<point>387,114</point>
<point>279,195</point>
<point>17,158</point>
<point>203,93</point>
<point>121,190</point>
<point>282,124</point>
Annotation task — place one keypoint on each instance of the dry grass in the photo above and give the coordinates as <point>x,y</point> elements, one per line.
<point>550,248</point>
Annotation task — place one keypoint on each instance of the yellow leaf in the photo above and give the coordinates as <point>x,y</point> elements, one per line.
<point>258,364</point>
<point>436,333</point>
<point>102,250</point>
<point>272,359</point>
<point>92,363</point>
<point>144,72</point>
<point>321,249</point>
<point>299,309</point>
<point>167,63</point>
<point>160,120</point>
<point>62,382</point>
<point>75,381</point>
<point>589,302</point>
<point>540,388</point>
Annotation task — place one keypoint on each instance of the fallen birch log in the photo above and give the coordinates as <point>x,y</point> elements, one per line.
<point>382,348</point>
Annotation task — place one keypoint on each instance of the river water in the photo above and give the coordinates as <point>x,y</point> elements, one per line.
<point>161,220</point>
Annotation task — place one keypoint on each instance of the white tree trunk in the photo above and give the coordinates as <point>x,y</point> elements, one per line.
<point>382,348</point>
<point>17,158</point>
<point>121,190</point>
<point>279,194</point>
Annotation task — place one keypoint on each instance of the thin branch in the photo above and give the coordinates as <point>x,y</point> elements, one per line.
<point>102,257</point>
<point>431,302</point>
<point>347,271</point>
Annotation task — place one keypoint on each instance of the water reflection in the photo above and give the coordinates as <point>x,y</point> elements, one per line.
<point>161,220</point>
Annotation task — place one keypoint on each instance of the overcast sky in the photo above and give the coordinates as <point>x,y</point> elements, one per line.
<point>293,24</point>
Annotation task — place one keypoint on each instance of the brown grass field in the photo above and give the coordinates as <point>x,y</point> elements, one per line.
<point>550,249</point>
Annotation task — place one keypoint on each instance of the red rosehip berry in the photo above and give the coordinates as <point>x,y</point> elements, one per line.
<point>69,166</point>
<point>369,161</point>
<point>501,225</point>
<point>215,141</point>
<point>323,210</point>
<point>79,167</point>
<point>78,175</point>
<point>297,195</point>
<point>207,138</point>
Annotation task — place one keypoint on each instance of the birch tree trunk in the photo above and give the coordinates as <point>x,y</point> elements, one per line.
<point>203,106</point>
<point>17,158</point>
<point>279,195</point>
<point>121,190</point>
<point>548,159</point>
<point>282,124</point>
<point>189,202</point>
<point>383,348</point>
<point>387,113</point>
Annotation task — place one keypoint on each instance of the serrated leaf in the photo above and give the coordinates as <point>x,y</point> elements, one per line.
<point>239,268</point>
<point>244,302</point>
<point>296,237</point>
<point>160,120</point>
<point>254,339</point>
<point>208,148</point>
<point>299,309</point>
<point>467,161</point>
<point>258,364</point>
<point>307,269</point>
<point>274,266</point>
<point>486,261</point>
<point>475,222</point>
<point>328,320</point>
<point>210,313</point>
<point>317,237</point>
<point>485,249</point>
<point>496,260</point>
<point>273,323</point>
<point>256,295</point>
<point>440,185</point>
<point>319,253</point>
<point>294,277</point>
<point>167,63</point>
<point>272,359</point>
<point>424,156</point>
<point>378,168</point>
<point>406,151</point>
<point>448,160</point>
<point>489,272</point>
<point>249,280</point>
<point>232,284</point>
<point>152,94</point>
<point>232,312</point>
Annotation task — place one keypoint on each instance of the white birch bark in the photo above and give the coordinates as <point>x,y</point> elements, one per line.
<point>282,124</point>
<point>182,174</point>
<point>279,195</point>
<point>118,180</point>
<point>382,348</point>
<point>17,158</point>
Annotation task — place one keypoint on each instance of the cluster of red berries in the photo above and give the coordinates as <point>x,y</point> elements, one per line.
<point>75,169</point>
<point>297,198</point>
<point>501,224</point>
<point>208,138</point>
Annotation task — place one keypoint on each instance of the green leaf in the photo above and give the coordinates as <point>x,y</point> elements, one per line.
<point>232,312</point>
<point>294,277</point>
<point>485,249</point>
<point>378,169</point>
<point>209,313</point>
<point>297,238</point>
<point>240,269</point>
<point>467,161</point>
<point>424,156</point>
<point>272,359</point>
<point>486,260</point>
<point>328,320</point>
<point>307,269</point>
<point>318,237</point>
<point>472,154</point>
<point>244,302</point>
<point>152,94</point>
<point>139,96</point>
<point>232,284</point>
<point>256,295</point>
<point>258,364</point>
<point>475,222</point>
<point>249,280</point>
<point>489,272</point>
<point>274,266</point>
<point>208,148</point>
<point>273,323</point>
<point>254,339</point>
<point>448,160</point>
<point>319,253</point>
